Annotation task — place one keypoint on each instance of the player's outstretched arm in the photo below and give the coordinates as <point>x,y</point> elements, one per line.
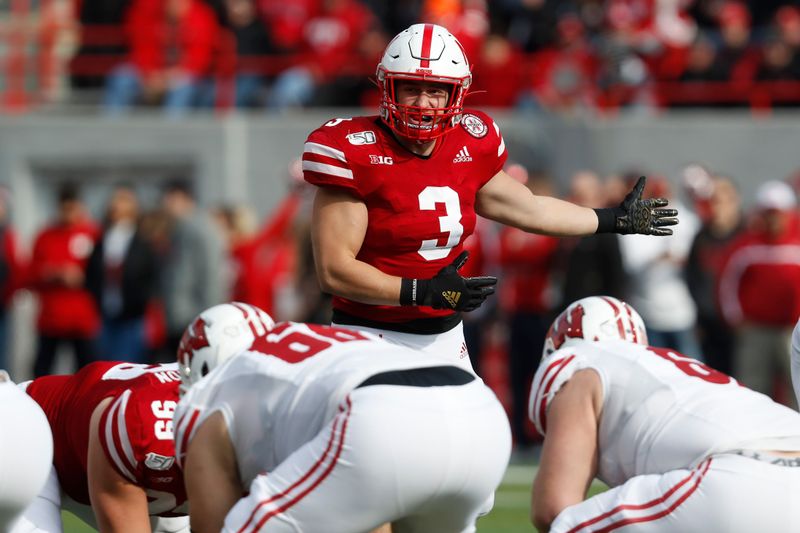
<point>569,455</point>
<point>211,476</point>
<point>507,201</point>
<point>118,504</point>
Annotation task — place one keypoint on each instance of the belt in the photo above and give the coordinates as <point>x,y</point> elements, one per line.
<point>769,458</point>
<point>435,376</point>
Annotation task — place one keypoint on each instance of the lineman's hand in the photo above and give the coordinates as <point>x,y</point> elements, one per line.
<point>448,289</point>
<point>635,215</point>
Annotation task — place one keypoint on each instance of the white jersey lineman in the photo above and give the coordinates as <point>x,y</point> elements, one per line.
<point>686,447</point>
<point>339,431</point>
<point>26,451</point>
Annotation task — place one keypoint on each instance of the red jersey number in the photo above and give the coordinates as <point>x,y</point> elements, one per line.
<point>692,367</point>
<point>294,346</point>
<point>449,223</point>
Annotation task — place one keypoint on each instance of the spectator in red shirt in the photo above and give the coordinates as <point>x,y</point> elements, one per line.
<point>562,77</point>
<point>759,290</point>
<point>172,47</point>
<point>67,314</point>
<point>329,46</point>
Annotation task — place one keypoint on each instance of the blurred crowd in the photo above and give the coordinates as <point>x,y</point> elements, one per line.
<point>725,288</point>
<point>550,55</point>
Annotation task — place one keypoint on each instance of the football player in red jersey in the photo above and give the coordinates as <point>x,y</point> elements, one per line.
<point>113,453</point>
<point>399,193</point>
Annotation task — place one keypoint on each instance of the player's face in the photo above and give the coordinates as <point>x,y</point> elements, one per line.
<point>422,94</point>
<point>419,96</point>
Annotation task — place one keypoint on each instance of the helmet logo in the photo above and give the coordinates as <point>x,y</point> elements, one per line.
<point>568,325</point>
<point>194,338</point>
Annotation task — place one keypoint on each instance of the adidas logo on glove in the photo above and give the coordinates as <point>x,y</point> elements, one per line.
<point>451,297</point>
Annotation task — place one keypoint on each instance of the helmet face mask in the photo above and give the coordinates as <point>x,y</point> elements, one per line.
<point>424,53</point>
<point>595,318</point>
<point>216,335</point>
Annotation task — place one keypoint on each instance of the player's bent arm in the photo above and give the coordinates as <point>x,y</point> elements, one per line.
<point>569,455</point>
<point>118,504</point>
<point>338,226</point>
<point>505,200</point>
<point>211,476</point>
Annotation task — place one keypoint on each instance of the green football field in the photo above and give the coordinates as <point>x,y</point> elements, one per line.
<point>510,513</point>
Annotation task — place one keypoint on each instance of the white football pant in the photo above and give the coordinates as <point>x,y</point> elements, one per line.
<point>449,346</point>
<point>424,458</point>
<point>726,493</point>
<point>26,452</point>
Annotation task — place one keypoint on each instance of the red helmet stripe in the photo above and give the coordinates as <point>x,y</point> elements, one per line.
<point>427,40</point>
<point>246,312</point>
<point>633,324</point>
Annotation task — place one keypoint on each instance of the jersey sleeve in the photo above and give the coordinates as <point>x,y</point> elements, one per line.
<point>502,154</point>
<point>325,162</point>
<point>136,432</point>
<point>187,420</point>
<point>115,437</point>
<point>552,374</point>
<point>486,133</point>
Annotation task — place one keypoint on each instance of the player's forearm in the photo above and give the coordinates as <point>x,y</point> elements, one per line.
<point>551,216</point>
<point>517,206</point>
<point>359,281</point>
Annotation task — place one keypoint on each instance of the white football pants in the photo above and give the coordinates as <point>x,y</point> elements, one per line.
<point>26,452</point>
<point>424,458</point>
<point>449,346</point>
<point>727,493</point>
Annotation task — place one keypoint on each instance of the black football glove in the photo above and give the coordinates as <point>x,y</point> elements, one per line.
<point>448,289</point>
<point>635,215</point>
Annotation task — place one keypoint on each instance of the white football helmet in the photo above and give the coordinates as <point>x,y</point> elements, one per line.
<point>217,334</point>
<point>423,52</point>
<point>595,318</point>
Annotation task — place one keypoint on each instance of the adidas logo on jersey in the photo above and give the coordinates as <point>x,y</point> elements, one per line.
<point>451,297</point>
<point>462,156</point>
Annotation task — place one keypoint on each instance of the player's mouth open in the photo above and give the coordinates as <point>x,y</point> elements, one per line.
<point>425,123</point>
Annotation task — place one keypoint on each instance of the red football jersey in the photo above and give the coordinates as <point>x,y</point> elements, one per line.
<point>421,209</point>
<point>135,430</point>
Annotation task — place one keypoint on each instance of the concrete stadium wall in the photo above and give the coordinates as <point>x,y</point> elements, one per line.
<point>240,158</point>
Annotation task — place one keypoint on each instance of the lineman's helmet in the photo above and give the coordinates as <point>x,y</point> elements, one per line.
<point>595,318</point>
<point>217,334</point>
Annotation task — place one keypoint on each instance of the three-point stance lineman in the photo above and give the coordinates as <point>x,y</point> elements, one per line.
<point>329,429</point>
<point>399,193</point>
<point>685,448</point>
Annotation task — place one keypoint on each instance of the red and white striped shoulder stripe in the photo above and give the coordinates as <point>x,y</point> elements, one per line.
<point>114,437</point>
<point>325,160</point>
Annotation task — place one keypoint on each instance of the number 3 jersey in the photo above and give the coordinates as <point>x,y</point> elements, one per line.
<point>135,430</point>
<point>662,411</point>
<point>281,393</point>
<point>420,209</point>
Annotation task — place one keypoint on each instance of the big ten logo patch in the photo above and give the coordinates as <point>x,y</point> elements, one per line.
<point>381,160</point>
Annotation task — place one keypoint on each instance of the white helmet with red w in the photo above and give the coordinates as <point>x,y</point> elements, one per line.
<point>595,318</point>
<point>430,53</point>
<point>217,334</point>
